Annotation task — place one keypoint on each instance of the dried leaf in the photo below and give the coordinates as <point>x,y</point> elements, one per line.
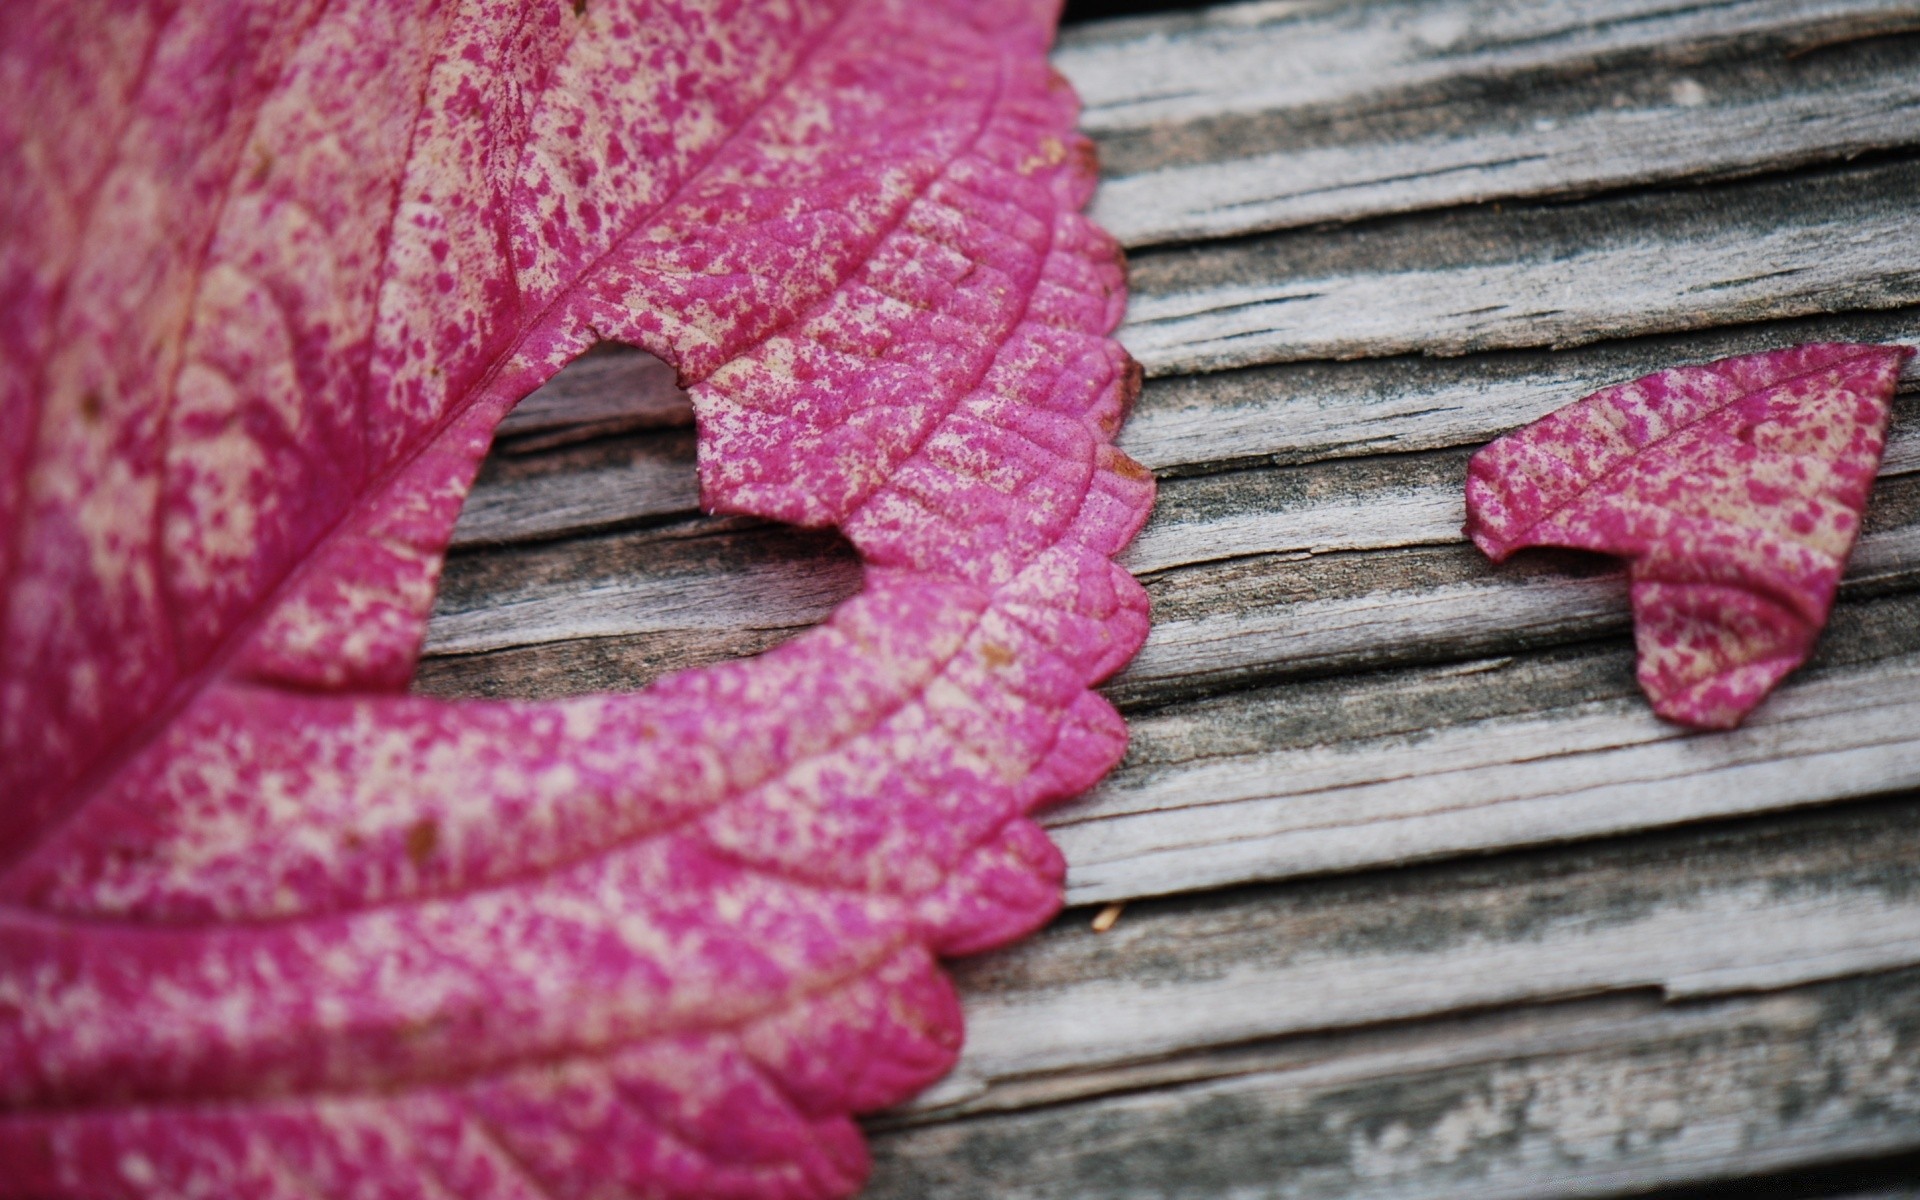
<point>1736,488</point>
<point>269,926</point>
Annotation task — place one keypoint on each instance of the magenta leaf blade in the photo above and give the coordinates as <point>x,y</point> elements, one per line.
<point>1736,490</point>
<point>269,925</point>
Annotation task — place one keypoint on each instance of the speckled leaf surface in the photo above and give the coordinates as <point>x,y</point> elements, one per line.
<point>270,926</point>
<point>1736,488</point>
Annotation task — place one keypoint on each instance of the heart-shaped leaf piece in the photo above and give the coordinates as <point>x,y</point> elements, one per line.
<point>1736,488</point>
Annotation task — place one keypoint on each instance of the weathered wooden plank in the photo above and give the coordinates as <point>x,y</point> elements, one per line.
<point>1373,504</point>
<point>1535,276</point>
<point>1731,908</point>
<point>1277,58</point>
<point>1344,773</point>
<point>709,577</point>
<point>582,488</point>
<point>618,610</point>
<point>609,386</point>
<point>1356,504</point>
<point>1643,124</point>
<point>604,664</point>
<point>1302,614</point>
<point>1594,1098</point>
<point>1297,412</point>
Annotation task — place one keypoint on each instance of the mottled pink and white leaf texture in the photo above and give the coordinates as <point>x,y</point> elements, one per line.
<point>1735,488</point>
<point>274,269</point>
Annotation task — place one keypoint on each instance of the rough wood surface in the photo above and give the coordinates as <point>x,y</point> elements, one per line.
<point>1252,616</point>
<point>1323,775</point>
<point>1358,504</point>
<point>530,496</point>
<point>1535,275</point>
<point>703,574</point>
<point>1277,59</point>
<point>1419,899</point>
<point>1718,910</point>
<point>610,389</point>
<point>1587,1100</point>
<point>1590,131</point>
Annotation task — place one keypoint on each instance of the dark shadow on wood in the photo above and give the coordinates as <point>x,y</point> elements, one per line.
<point>1872,1179</point>
<point>1078,11</point>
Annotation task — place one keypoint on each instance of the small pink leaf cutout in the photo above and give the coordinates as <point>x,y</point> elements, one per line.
<point>1736,488</point>
<point>272,927</point>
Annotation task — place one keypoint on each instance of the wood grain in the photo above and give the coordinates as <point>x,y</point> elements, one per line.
<point>587,486</point>
<point>1277,59</point>
<point>704,574</point>
<point>1356,504</point>
<point>1302,412</point>
<point>1534,275</point>
<point>1755,906</point>
<point>1334,774</point>
<point>1595,1098</point>
<point>1595,131</point>
<point>610,388</point>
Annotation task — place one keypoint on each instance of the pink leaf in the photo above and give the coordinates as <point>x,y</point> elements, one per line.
<point>1736,488</point>
<point>269,926</point>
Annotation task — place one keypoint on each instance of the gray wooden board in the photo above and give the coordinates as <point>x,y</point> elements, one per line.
<point>1332,774</point>
<point>1300,412</point>
<point>705,574</point>
<point>1420,900</point>
<point>1280,58</point>
<point>1535,275</point>
<point>1599,130</point>
<point>1240,614</point>
<point>1731,908</point>
<point>608,385</point>
<point>611,481</point>
<point>1357,504</point>
<point>1584,1099</point>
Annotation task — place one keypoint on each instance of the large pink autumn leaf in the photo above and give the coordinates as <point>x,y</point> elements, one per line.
<point>271,927</point>
<point>1736,488</point>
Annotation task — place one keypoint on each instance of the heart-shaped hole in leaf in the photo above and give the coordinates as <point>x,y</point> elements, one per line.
<point>582,562</point>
